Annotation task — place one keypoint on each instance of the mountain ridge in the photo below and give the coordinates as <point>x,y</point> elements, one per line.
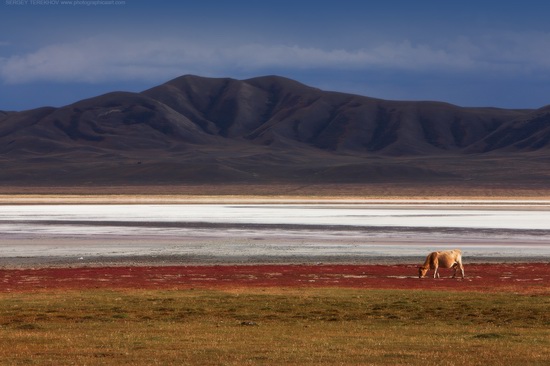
<point>270,128</point>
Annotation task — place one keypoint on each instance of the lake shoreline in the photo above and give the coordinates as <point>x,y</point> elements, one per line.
<point>197,260</point>
<point>129,199</point>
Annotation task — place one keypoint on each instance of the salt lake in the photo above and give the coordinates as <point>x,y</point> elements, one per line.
<point>273,232</point>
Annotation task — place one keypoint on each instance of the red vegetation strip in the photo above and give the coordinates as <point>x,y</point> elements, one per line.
<point>520,277</point>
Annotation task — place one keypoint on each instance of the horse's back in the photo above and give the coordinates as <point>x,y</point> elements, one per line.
<point>448,258</point>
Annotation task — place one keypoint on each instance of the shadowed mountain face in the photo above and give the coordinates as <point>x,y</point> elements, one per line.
<point>195,129</point>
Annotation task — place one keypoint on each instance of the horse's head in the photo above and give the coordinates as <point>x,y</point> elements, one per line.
<point>422,272</point>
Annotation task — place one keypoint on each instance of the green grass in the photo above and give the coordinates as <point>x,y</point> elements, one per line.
<point>274,327</point>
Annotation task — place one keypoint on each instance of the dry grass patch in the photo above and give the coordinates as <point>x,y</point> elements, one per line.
<point>278,326</point>
<point>279,192</point>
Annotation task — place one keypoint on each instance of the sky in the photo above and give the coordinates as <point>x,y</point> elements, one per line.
<point>469,53</point>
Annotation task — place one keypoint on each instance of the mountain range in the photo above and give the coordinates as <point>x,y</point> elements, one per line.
<point>270,129</point>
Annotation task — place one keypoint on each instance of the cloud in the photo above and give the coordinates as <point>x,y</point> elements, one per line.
<point>402,55</point>
<point>102,59</point>
<point>98,60</point>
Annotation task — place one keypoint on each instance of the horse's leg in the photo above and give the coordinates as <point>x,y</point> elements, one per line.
<point>461,269</point>
<point>455,267</point>
<point>435,265</point>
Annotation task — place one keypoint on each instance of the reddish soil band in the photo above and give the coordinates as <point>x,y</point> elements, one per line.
<point>508,277</point>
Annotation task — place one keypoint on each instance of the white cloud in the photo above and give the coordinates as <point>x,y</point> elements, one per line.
<point>101,58</point>
<point>403,55</point>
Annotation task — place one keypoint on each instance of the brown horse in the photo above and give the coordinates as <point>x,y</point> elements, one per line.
<point>446,259</point>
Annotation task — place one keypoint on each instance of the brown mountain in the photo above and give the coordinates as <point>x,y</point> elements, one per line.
<point>269,129</point>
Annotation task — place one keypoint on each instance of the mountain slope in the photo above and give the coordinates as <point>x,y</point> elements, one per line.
<point>266,129</point>
<point>269,110</point>
<point>527,133</point>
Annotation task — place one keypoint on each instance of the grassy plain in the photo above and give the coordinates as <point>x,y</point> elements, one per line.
<point>274,326</point>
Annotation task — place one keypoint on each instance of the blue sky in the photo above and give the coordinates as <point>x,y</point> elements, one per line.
<point>470,53</point>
